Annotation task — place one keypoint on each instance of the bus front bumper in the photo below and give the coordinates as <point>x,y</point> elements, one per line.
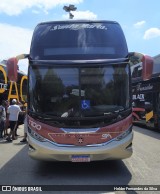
<point>48,151</point>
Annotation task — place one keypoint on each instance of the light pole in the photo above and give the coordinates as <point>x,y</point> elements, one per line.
<point>69,9</point>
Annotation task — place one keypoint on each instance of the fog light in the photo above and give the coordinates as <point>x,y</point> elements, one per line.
<point>31,148</point>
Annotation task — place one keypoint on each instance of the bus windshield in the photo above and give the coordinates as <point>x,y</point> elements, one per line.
<point>78,40</point>
<point>79,92</point>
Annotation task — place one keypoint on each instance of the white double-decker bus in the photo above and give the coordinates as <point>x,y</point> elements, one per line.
<point>79,92</point>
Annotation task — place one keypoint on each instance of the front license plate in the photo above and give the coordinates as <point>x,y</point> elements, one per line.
<point>80,158</point>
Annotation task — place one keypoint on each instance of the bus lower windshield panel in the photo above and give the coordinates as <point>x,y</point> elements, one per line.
<point>79,96</point>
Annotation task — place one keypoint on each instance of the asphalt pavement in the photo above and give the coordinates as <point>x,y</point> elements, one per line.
<point>9,149</point>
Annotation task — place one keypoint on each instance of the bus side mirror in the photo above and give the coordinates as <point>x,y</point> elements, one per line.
<point>12,67</point>
<point>147,67</point>
<point>143,62</point>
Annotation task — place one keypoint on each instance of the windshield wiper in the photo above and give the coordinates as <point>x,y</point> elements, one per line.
<point>39,115</point>
<point>45,118</point>
<point>119,110</point>
<point>103,119</point>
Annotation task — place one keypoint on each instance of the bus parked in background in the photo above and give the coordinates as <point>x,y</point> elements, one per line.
<point>79,91</point>
<point>12,90</point>
<point>146,96</point>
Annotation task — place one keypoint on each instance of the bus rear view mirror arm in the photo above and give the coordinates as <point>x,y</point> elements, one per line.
<point>147,67</point>
<point>146,63</point>
<point>12,66</point>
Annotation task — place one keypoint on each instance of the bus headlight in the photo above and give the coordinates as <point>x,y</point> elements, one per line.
<point>35,135</point>
<point>124,134</point>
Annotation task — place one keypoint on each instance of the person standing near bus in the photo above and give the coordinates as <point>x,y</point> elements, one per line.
<point>24,140</point>
<point>21,117</point>
<point>2,118</point>
<point>13,111</point>
<point>7,120</point>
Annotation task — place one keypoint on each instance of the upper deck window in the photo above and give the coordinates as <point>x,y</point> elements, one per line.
<point>78,40</point>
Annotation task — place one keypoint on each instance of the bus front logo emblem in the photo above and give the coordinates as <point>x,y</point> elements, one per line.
<point>80,140</point>
<point>106,135</point>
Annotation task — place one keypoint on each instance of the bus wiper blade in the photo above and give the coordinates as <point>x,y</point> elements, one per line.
<point>119,110</point>
<point>56,119</point>
<point>107,113</point>
<point>110,115</point>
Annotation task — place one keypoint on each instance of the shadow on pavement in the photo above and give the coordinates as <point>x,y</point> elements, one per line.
<point>149,132</point>
<point>22,170</point>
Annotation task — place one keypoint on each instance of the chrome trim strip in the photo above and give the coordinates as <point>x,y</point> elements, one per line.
<point>78,130</point>
<point>87,61</point>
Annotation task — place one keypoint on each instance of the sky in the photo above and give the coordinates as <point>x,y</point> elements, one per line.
<point>139,19</point>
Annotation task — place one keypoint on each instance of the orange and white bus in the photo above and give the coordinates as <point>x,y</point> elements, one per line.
<point>79,92</point>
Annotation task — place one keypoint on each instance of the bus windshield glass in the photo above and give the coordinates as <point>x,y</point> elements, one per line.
<point>78,40</point>
<point>78,92</point>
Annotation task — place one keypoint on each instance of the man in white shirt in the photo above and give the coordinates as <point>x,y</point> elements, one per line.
<point>13,111</point>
